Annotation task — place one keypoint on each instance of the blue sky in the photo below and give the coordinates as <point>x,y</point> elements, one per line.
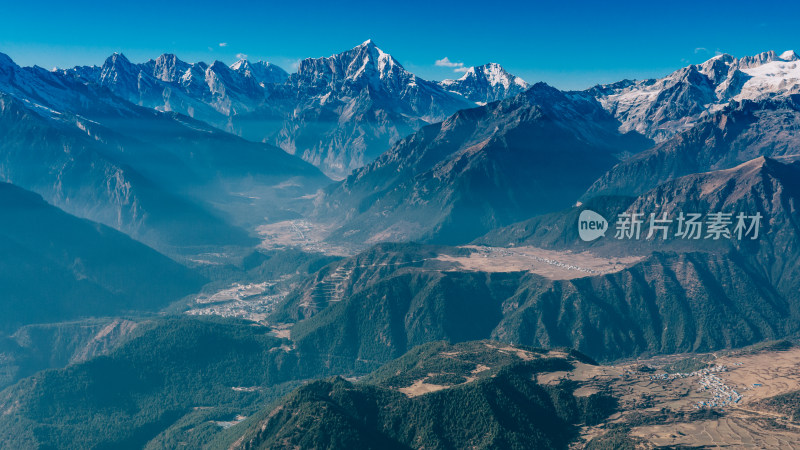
<point>569,44</point>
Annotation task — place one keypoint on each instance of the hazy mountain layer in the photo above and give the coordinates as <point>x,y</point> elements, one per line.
<point>58,267</point>
<point>338,112</point>
<point>164,178</point>
<point>480,169</point>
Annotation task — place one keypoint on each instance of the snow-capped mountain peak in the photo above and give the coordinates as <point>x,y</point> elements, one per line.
<point>120,74</point>
<point>486,83</point>
<point>760,59</point>
<point>361,66</point>
<point>370,60</point>
<point>262,71</point>
<point>169,68</point>
<point>496,75</point>
<point>241,65</point>
<point>366,92</point>
<point>661,108</point>
<point>117,61</point>
<point>789,55</point>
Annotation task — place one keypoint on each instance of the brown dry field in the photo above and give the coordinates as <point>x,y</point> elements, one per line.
<point>742,425</point>
<point>556,265</point>
<point>661,413</point>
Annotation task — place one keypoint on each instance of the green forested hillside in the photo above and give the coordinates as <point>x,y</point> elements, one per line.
<point>180,369</point>
<point>500,405</point>
<point>43,346</point>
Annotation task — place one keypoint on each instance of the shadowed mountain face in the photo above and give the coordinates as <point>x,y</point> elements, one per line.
<point>668,303</point>
<point>480,169</point>
<point>762,186</point>
<point>730,137</point>
<point>57,267</point>
<point>86,178</point>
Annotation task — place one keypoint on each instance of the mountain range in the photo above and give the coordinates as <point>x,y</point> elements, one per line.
<point>212,93</point>
<point>739,132</point>
<point>486,83</point>
<point>106,170</point>
<point>680,296</point>
<point>660,108</point>
<point>162,177</point>
<point>310,113</point>
<point>480,169</point>
<point>337,112</point>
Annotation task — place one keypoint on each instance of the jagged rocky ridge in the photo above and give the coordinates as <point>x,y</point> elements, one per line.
<point>486,83</point>
<point>660,108</point>
<point>338,112</point>
<point>737,133</point>
<point>341,111</point>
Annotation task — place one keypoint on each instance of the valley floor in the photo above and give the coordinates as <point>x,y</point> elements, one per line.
<point>304,235</point>
<point>553,264</point>
<point>254,301</point>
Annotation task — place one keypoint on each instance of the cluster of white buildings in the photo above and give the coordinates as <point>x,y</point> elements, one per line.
<point>721,394</point>
<point>553,262</point>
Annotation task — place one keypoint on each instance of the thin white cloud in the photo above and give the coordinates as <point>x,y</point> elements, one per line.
<point>445,62</point>
<point>223,44</point>
<point>241,56</point>
<point>700,50</point>
<point>456,66</point>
